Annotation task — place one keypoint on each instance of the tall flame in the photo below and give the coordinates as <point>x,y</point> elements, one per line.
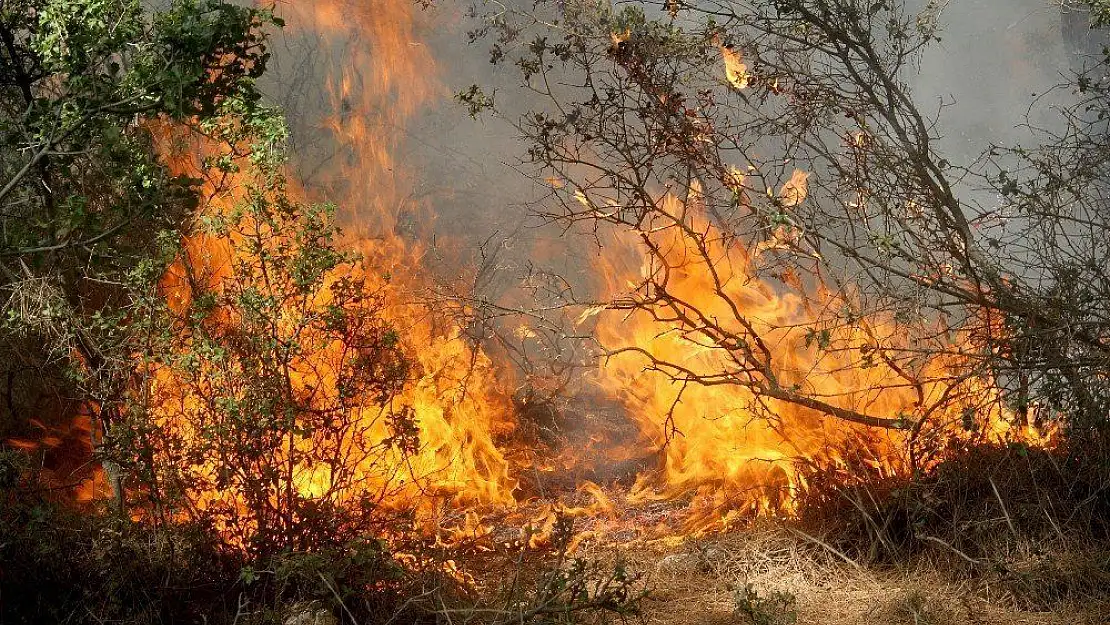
<point>383,75</point>
<point>387,75</point>
<point>731,448</point>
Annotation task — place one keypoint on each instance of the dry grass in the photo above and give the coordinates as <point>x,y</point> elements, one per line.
<point>704,582</point>
<point>999,535</point>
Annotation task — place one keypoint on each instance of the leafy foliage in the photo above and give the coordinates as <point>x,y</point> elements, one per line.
<point>271,392</point>
<point>237,369</point>
<point>91,213</point>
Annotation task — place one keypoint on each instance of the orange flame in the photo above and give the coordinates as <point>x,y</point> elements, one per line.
<point>732,448</point>
<point>387,76</point>
<point>736,71</point>
<point>458,401</point>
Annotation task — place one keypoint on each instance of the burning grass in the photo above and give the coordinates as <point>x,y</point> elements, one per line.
<point>1001,535</point>
<point>997,535</point>
<point>287,400</point>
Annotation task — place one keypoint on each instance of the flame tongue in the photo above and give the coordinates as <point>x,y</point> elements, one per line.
<point>385,76</point>
<point>457,402</point>
<point>722,441</point>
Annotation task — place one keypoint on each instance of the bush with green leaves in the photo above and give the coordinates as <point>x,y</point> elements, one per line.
<point>270,403</point>
<point>91,214</point>
<point>158,275</point>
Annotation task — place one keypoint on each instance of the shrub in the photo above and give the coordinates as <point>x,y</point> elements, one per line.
<point>775,608</point>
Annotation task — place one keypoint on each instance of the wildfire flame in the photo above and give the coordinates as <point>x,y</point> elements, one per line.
<point>389,75</point>
<point>458,401</point>
<point>736,71</point>
<point>729,448</point>
<point>723,443</point>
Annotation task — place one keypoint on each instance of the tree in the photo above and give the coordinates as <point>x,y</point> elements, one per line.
<point>91,215</point>
<point>757,155</point>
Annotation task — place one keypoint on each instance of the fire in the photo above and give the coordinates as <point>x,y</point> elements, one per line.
<point>456,399</point>
<point>723,443</point>
<point>736,71</point>
<point>723,436</point>
<point>387,76</point>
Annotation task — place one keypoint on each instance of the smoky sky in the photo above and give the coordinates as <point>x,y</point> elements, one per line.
<point>991,75</point>
<point>993,72</point>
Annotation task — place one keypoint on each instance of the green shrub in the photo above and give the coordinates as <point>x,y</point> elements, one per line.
<point>776,608</point>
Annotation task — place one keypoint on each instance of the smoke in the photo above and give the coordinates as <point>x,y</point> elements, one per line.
<point>989,79</point>
<point>993,72</point>
<point>456,167</point>
<point>991,75</point>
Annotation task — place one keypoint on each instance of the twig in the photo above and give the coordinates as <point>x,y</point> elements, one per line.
<point>338,598</point>
<point>239,609</point>
<point>973,561</point>
<point>409,602</point>
<point>840,554</point>
<point>1005,513</point>
<point>446,613</point>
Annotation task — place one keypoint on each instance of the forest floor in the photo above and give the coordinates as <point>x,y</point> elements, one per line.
<point>985,539</point>
<point>787,584</point>
<point>774,575</point>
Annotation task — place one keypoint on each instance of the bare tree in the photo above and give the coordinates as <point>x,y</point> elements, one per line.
<point>774,150</point>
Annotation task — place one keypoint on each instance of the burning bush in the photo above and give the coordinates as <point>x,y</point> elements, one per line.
<point>794,273</point>
<point>278,415</point>
<point>277,388</point>
<point>229,367</point>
